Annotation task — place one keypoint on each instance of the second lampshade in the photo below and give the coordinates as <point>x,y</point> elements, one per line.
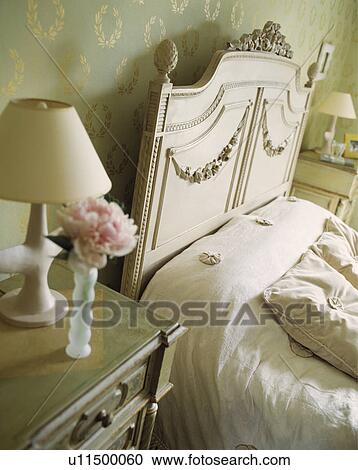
<point>337,105</point>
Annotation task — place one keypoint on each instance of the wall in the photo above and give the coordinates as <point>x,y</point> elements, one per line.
<point>106,49</point>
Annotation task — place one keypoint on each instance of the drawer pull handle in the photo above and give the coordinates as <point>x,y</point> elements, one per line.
<point>105,418</point>
<point>130,437</point>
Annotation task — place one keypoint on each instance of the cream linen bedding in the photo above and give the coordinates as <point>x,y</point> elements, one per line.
<point>318,307</point>
<point>338,246</point>
<point>238,386</point>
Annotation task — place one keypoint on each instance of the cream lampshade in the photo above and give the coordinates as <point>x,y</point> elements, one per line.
<point>337,105</point>
<point>46,156</point>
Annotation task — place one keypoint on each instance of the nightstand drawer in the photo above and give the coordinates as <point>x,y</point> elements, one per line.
<point>126,438</point>
<point>129,436</point>
<point>324,199</point>
<point>95,415</point>
<point>119,436</point>
<point>326,177</point>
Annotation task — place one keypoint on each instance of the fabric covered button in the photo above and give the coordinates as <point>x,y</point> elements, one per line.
<point>298,349</point>
<point>263,221</point>
<point>335,303</point>
<point>209,257</point>
<point>245,447</point>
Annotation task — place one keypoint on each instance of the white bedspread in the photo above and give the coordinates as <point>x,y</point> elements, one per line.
<point>243,385</point>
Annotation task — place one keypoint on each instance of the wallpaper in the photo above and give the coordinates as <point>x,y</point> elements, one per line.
<point>98,55</point>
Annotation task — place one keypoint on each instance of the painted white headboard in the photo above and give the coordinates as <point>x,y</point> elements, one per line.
<point>225,145</point>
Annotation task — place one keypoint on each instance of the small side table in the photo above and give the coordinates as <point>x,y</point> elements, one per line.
<point>334,187</point>
<point>106,401</point>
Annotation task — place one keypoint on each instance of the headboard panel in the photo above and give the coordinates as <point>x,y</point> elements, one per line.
<point>223,146</point>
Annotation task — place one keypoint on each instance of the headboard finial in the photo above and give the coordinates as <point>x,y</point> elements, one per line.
<point>312,73</point>
<point>165,59</point>
<point>269,39</point>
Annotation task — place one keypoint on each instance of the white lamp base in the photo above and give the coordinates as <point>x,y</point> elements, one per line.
<point>15,315</point>
<point>34,304</point>
<point>328,137</point>
<point>78,352</point>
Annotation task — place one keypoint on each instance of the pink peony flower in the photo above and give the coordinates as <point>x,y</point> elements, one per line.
<point>98,229</point>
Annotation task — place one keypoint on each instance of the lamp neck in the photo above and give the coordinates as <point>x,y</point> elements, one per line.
<point>332,127</point>
<point>37,227</point>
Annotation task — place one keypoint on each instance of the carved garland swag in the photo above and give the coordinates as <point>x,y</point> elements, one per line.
<point>212,168</point>
<point>270,149</point>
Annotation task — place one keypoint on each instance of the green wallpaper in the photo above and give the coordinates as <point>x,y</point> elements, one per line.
<point>106,48</point>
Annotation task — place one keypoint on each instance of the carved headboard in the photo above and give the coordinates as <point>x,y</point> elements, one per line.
<point>223,146</point>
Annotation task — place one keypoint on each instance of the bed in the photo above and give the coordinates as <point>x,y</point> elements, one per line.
<point>246,385</point>
<point>216,165</point>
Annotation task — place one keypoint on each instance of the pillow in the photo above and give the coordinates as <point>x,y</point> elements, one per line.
<point>338,246</point>
<point>341,229</point>
<point>318,308</point>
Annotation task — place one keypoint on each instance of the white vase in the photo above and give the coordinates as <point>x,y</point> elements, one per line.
<point>83,296</point>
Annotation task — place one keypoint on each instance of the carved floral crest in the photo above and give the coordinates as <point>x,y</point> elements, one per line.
<point>269,39</point>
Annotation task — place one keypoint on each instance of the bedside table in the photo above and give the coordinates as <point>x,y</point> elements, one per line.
<point>106,401</point>
<point>331,186</point>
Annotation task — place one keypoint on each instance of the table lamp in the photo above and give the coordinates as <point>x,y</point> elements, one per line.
<point>46,157</point>
<point>337,105</point>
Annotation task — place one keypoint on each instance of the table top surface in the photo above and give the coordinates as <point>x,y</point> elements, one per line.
<point>38,380</point>
<point>314,157</point>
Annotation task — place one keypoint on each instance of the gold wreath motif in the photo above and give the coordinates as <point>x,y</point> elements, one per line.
<point>85,68</point>
<point>236,22</point>
<point>189,50</point>
<point>127,88</point>
<point>103,41</point>
<point>179,6</point>
<point>10,88</point>
<point>211,16</point>
<point>138,116</point>
<point>111,167</point>
<point>35,24</point>
<point>148,30</point>
<point>88,121</point>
